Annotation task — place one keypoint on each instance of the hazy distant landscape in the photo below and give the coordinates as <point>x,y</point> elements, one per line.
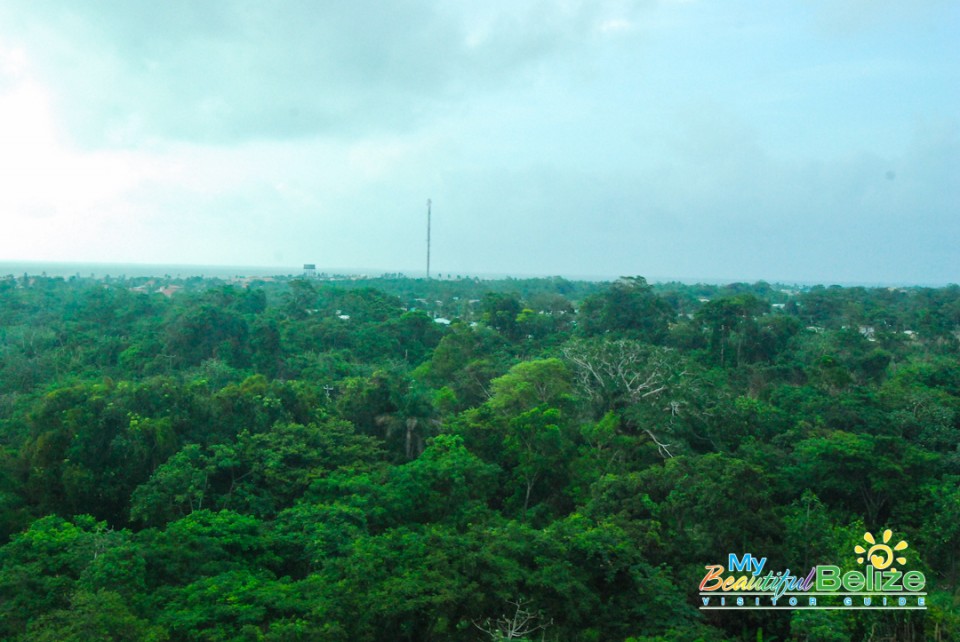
<point>228,272</point>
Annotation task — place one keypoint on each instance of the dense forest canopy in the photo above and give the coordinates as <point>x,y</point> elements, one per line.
<point>433,460</point>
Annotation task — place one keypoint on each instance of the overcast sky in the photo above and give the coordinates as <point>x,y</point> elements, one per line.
<point>797,141</point>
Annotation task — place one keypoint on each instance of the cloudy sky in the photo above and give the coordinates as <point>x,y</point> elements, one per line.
<point>797,141</point>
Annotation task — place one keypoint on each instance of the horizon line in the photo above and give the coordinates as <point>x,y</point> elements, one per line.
<point>290,270</point>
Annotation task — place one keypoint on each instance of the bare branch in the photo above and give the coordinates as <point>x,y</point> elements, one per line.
<point>662,448</point>
<point>520,624</point>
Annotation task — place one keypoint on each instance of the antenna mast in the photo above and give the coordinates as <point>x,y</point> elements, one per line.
<point>428,238</point>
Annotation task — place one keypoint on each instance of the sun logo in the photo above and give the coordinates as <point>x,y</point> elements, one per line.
<point>880,555</point>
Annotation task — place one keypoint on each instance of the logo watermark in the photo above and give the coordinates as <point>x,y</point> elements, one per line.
<point>742,584</point>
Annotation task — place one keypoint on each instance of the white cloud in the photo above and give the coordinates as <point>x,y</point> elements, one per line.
<point>39,170</point>
<point>614,25</point>
<point>13,62</point>
<point>557,136</point>
<point>54,198</point>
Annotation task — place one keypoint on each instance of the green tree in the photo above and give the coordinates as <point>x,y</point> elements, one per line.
<point>103,615</point>
<point>500,311</point>
<point>866,474</point>
<point>628,308</point>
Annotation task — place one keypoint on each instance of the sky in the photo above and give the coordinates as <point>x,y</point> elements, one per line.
<point>814,141</point>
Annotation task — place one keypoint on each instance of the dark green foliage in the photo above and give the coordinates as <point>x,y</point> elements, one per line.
<point>629,309</point>
<point>322,460</point>
<point>103,615</point>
